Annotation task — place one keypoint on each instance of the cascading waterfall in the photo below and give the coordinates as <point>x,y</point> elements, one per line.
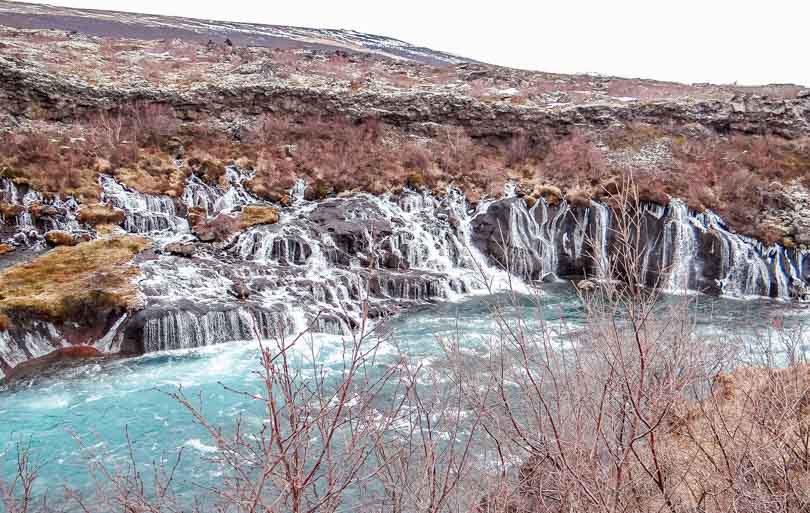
<point>184,329</point>
<point>414,248</point>
<point>679,247</point>
<point>39,340</point>
<point>601,222</point>
<point>544,241</point>
<point>681,251</point>
<point>324,260</point>
<point>55,213</point>
<point>144,213</point>
<point>214,199</point>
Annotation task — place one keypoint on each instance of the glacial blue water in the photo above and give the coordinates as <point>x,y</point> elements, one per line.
<point>72,415</point>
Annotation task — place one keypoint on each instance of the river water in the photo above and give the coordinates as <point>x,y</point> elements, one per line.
<point>72,415</point>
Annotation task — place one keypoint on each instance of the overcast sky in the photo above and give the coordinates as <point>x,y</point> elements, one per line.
<point>721,41</point>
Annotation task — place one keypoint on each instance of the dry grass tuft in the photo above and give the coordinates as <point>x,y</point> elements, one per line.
<point>253,215</point>
<point>71,280</point>
<point>9,211</point>
<point>551,193</point>
<point>96,214</point>
<point>153,173</point>
<point>60,238</point>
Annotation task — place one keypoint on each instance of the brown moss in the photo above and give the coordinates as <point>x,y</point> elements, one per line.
<point>578,197</point>
<point>60,238</point>
<point>318,190</point>
<point>96,214</point>
<point>153,173</point>
<point>210,169</point>
<point>196,215</point>
<point>253,215</point>
<point>93,275</point>
<point>8,210</point>
<point>5,322</point>
<point>6,248</point>
<point>38,211</point>
<point>770,233</point>
<point>551,193</point>
<point>108,230</point>
<point>415,181</point>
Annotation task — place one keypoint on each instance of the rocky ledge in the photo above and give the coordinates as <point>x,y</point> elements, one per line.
<point>28,92</point>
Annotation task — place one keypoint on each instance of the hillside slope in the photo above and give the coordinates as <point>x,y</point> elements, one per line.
<point>142,26</point>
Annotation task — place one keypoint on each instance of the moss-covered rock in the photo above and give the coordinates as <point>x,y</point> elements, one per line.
<point>8,210</point>
<point>72,281</point>
<point>97,214</point>
<point>253,215</point>
<point>60,238</point>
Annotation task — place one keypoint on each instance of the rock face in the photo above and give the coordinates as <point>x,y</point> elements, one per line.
<point>680,250</point>
<point>29,92</point>
<point>181,249</point>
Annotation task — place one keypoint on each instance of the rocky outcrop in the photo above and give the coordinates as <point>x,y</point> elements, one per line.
<point>27,91</point>
<point>678,250</point>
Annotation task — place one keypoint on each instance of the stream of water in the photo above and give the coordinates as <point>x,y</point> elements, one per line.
<point>74,414</point>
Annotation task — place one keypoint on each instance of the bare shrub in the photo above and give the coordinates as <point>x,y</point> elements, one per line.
<point>574,158</point>
<point>17,492</point>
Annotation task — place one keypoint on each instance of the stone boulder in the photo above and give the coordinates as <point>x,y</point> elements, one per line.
<point>60,238</point>
<point>181,249</point>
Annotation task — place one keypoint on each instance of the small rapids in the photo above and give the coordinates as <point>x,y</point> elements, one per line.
<point>107,401</point>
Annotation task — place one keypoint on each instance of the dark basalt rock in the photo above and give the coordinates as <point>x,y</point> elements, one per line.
<point>535,242</point>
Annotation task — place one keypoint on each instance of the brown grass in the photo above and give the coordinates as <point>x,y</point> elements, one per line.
<point>6,248</point>
<point>153,173</point>
<point>95,214</point>
<point>253,215</point>
<point>61,283</point>
<point>60,238</point>
<point>9,211</point>
<point>733,176</point>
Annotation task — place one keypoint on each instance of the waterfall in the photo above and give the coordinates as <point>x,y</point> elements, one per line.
<point>186,329</point>
<point>679,247</point>
<point>39,213</point>
<point>680,250</point>
<point>144,213</point>
<point>15,348</point>
<point>327,264</point>
<point>215,199</point>
<point>601,238</point>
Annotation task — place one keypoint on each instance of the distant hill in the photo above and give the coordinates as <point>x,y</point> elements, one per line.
<point>144,26</point>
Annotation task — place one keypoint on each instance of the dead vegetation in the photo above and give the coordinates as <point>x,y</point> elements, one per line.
<point>60,238</point>
<point>67,280</point>
<point>98,214</point>
<point>254,215</point>
<point>740,177</point>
